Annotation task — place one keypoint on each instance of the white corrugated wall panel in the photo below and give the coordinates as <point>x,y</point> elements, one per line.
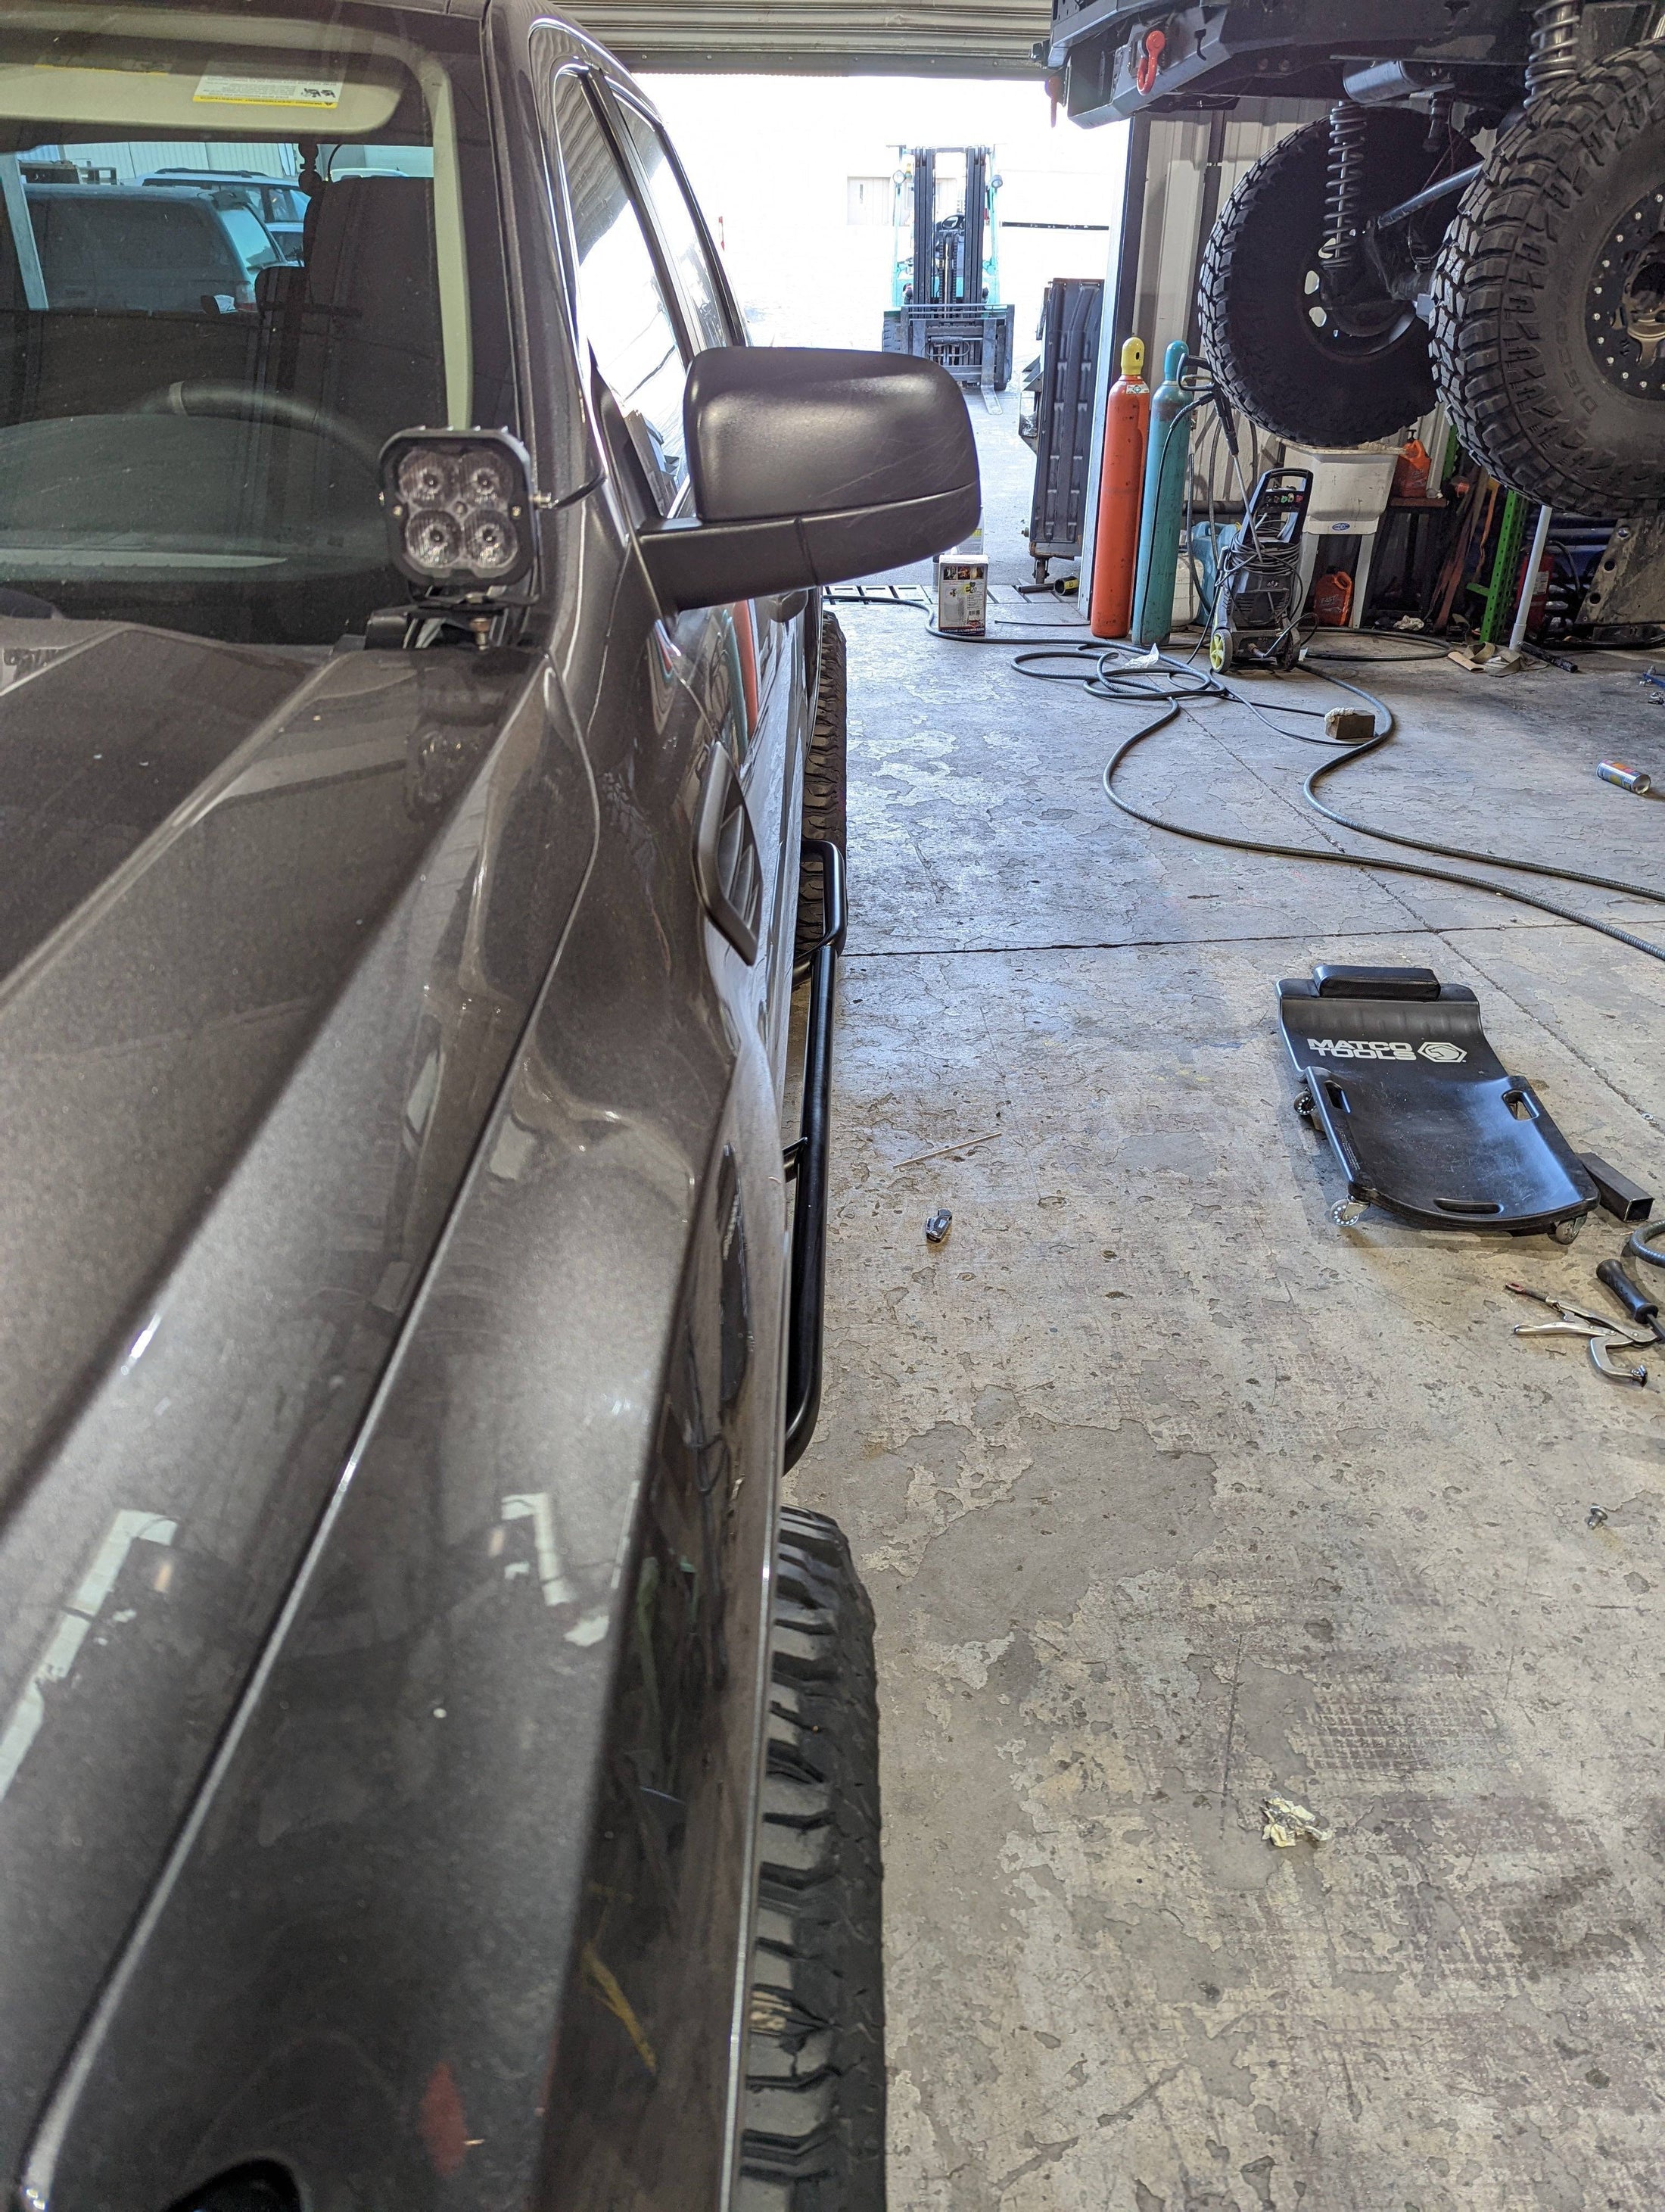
<point>971,38</point>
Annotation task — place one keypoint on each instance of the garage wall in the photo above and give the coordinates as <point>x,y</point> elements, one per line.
<point>1153,277</point>
<point>1175,183</point>
<point>929,38</point>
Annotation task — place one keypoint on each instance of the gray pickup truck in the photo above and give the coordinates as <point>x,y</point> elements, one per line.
<point>434,1770</point>
<point>1481,218</point>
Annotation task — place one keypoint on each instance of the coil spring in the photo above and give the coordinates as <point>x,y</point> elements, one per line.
<point>1553,58</point>
<point>1344,188</point>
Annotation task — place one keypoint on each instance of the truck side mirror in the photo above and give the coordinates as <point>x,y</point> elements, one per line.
<point>811,466</point>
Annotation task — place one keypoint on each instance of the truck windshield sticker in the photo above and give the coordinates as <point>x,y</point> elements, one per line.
<point>226,86</point>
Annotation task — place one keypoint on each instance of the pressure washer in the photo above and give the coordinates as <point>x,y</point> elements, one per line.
<point>1256,614</point>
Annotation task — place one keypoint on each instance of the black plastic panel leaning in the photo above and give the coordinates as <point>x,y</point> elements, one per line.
<point>689,256</point>
<point>623,316</point>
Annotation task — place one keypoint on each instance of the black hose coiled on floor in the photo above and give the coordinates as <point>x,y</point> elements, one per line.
<point>1122,674</point>
<point>1117,673</point>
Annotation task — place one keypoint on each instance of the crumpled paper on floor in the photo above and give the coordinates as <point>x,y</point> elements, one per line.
<point>1287,1823</point>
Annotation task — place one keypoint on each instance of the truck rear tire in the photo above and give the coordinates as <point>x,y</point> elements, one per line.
<point>1549,296</point>
<point>814,2105</point>
<point>1267,337</point>
<point>825,780</point>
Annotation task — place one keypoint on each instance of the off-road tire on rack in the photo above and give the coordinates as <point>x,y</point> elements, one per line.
<point>1256,316</point>
<point>814,2107</point>
<point>1513,298</point>
<point>825,780</point>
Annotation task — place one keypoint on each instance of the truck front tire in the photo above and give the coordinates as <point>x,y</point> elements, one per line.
<point>814,2111</point>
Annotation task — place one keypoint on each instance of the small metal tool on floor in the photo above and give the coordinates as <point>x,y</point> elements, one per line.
<point>1603,1333</point>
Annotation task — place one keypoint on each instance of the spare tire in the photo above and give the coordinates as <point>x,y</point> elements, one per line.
<point>1271,346</point>
<point>1549,295</point>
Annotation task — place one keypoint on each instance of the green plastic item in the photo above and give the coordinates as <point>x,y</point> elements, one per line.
<point>1166,457</point>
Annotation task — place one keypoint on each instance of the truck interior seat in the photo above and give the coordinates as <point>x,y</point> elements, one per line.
<point>369,343</point>
<point>357,331</point>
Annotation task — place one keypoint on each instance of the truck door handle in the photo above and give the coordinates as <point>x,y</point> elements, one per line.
<point>727,867</point>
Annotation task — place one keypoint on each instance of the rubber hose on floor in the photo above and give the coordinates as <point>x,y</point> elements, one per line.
<point>1276,851</point>
<point>1119,675</point>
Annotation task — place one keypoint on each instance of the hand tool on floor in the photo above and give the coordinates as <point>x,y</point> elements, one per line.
<point>1603,1332</point>
<point>1642,1310</point>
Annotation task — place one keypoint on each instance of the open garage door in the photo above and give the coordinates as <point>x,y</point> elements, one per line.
<point>969,38</point>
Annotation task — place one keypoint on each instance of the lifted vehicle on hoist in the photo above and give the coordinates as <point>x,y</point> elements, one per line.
<point>1481,218</point>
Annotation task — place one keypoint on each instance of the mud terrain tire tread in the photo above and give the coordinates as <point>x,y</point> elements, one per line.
<point>814,2105</point>
<point>825,779</point>
<point>1503,272</point>
<point>1255,339</point>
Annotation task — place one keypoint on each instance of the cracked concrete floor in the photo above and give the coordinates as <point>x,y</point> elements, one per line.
<point>1169,1493</point>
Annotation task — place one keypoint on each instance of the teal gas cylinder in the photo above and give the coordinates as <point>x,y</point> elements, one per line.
<point>1166,457</point>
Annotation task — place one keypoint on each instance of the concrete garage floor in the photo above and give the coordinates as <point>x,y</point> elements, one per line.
<point>1169,1493</point>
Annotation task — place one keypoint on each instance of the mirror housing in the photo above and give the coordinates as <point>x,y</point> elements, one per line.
<point>811,466</point>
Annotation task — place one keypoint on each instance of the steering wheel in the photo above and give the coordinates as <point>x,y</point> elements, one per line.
<point>234,401</point>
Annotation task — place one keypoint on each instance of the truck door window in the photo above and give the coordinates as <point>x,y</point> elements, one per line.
<point>623,316</point>
<point>702,292</point>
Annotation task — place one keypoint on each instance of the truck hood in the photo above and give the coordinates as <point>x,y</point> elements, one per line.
<point>256,990</point>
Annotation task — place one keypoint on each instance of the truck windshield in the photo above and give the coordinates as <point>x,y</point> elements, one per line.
<point>191,409</point>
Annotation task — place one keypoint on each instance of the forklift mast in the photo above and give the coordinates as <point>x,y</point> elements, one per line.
<point>958,251</point>
<point>950,249</point>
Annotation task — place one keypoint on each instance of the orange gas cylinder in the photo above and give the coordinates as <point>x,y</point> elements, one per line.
<point>1121,482</point>
<point>745,636</point>
<point>1332,599</point>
